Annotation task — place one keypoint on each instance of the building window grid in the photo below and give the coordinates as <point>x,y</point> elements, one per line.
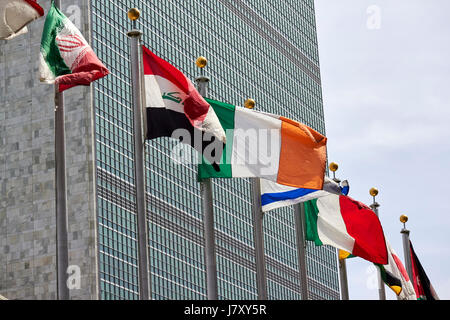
<point>228,91</point>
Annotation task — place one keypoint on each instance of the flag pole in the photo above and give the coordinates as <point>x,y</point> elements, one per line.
<point>406,246</point>
<point>342,262</point>
<point>258,232</point>
<point>62,249</point>
<point>207,206</point>
<point>374,206</point>
<point>134,36</point>
<point>299,212</point>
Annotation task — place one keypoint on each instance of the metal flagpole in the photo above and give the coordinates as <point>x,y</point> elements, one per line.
<point>62,249</point>
<point>207,207</point>
<point>342,262</point>
<point>406,246</point>
<point>135,61</point>
<point>381,291</point>
<point>258,232</point>
<point>299,212</point>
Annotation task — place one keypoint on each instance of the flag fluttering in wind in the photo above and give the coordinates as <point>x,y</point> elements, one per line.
<point>268,146</point>
<point>346,224</point>
<point>15,15</point>
<point>394,275</point>
<point>173,103</point>
<point>422,285</point>
<point>274,195</point>
<point>66,59</point>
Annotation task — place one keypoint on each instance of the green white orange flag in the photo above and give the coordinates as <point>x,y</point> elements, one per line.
<point>346,224</point>
<point>268,146</point>
<point>66,59</point>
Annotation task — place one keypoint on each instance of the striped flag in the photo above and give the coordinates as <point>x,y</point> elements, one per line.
<point>66,59</point>
<point>15,15</point>
<point>274,195</point>
<point>268,146</point>
<point>173,103</point>
<point>395,276</point>
<point>422,285</point>
<point>347,224</point>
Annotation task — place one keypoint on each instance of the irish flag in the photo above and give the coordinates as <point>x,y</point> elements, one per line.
<point>268,146</point>
<point>66,59</point>
<point>346,224</point>
<point>173,103</point>
<point>15,15</point>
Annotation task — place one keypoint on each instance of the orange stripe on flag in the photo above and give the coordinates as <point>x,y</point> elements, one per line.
<point>302,156</point>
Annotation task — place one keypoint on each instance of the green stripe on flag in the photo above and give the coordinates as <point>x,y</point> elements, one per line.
<point>225,113</point>
<point>311,215</point>
<point>54,23</point>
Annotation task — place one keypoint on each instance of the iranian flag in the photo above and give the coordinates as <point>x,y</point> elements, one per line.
<point>66,59</point>
<point>173,103</point>
<point>346,224</point>
<point>15,15</point>
<point>268,146</point>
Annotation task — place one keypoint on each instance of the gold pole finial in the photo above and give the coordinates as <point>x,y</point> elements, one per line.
<point>249,103</point>
<point>403,218</point>
<point>134,14</point>
<point>373,192</point>
<point>333,166</point>
<point>201,62</point>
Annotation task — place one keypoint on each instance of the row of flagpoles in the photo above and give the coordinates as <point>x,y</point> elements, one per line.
<point>342,226</point>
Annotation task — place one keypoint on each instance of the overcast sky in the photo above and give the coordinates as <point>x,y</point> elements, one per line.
<point>385,68</point>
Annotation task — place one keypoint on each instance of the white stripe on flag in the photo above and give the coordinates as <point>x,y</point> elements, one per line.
<point>274,195</point>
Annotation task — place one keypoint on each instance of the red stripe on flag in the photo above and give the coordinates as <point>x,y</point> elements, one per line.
<point>154,65</point>
<point>195,107</point>
<point>88,69</point>
<point>400,267</point>
<point>36,7</point>
<point>365,227</point>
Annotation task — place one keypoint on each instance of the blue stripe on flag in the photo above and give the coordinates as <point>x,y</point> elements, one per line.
<point>267,198</point>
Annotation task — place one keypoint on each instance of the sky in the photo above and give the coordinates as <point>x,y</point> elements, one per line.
<point>385,70</point>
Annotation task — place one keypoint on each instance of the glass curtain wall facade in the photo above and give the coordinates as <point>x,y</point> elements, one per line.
<point>265,50</point>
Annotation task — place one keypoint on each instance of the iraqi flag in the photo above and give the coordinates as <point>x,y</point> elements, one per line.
<point>346,224</point>
<point>66,59</point>
<point>268,146</point>
<point>173,103</point>
<point>15,15</point>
